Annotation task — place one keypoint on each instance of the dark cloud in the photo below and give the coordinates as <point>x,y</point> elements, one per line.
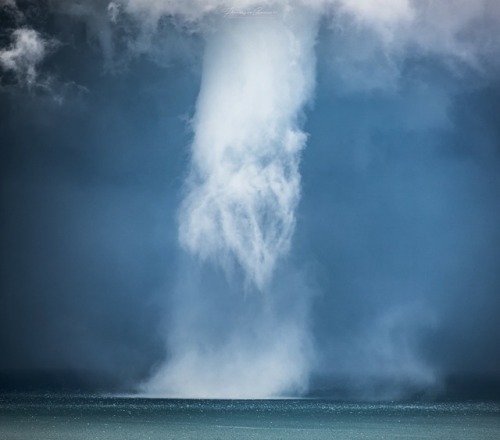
<point>404,229</point>
<point>89,192</point>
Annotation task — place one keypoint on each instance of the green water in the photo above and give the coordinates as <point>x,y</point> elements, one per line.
<point>66,417</point>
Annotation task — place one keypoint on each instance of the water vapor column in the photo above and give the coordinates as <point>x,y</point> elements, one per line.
<point>245,184</point>
<point>239,214</point>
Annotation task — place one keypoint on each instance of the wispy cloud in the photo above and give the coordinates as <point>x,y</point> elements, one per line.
<point>27,51</point>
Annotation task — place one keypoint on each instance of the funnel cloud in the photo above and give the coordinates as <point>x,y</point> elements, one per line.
<point>245,184</point>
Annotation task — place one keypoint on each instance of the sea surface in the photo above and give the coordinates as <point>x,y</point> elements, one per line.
<point>44,417</point>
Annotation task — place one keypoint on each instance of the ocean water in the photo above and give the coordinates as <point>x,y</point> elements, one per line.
<point>45,417</point>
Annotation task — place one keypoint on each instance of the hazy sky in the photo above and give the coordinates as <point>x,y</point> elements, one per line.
<point>140,139</point>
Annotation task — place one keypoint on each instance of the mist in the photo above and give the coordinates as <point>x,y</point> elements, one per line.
<point>237,199</point>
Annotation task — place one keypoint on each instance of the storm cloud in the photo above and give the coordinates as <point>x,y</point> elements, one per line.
<point>360,139</point>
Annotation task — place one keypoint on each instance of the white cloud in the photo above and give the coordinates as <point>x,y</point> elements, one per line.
<point>245,182</point>
<point>241,197</point>
<point>23,56</point>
